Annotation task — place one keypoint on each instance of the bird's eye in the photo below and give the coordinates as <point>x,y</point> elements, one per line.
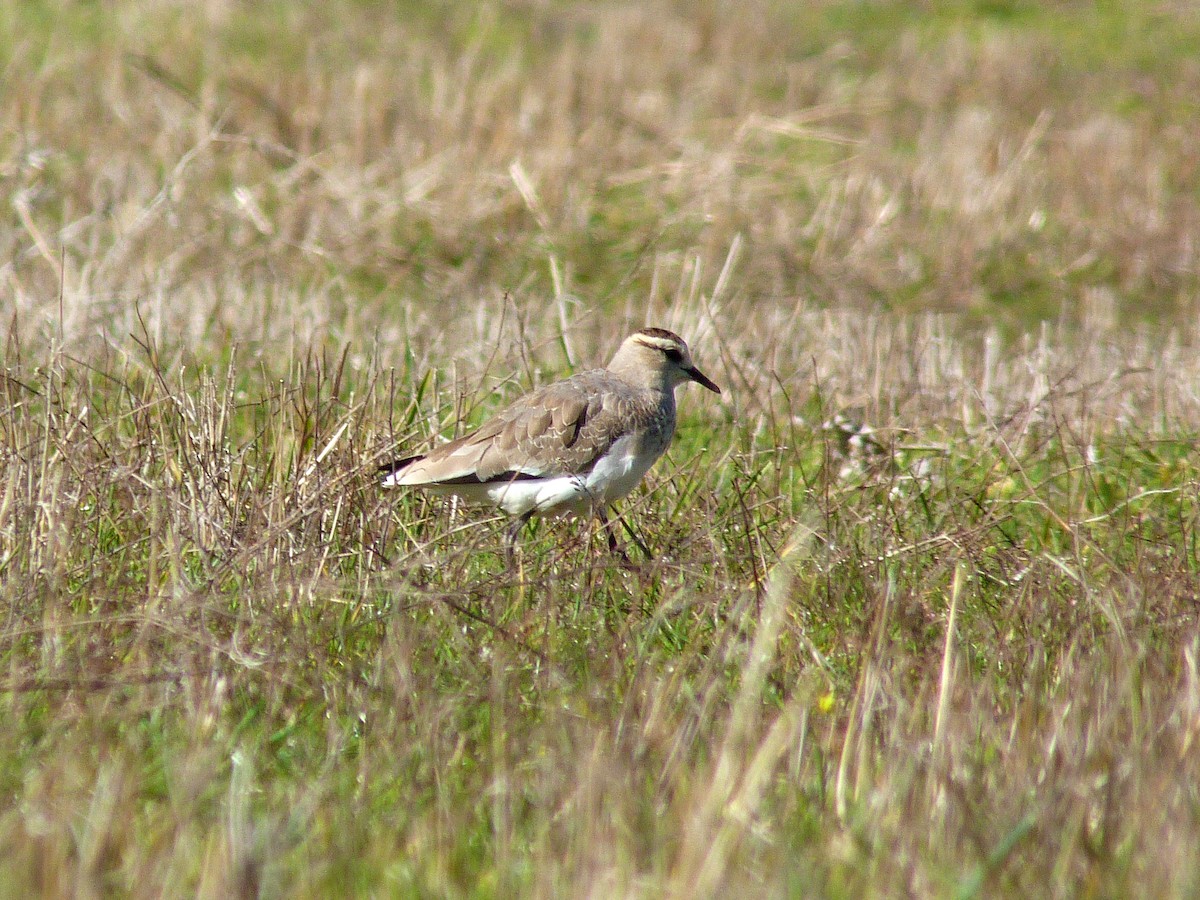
<point>673,355</point>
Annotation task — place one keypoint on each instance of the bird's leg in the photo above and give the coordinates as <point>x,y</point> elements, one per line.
<point>614,546</point>
<point>510,537</point>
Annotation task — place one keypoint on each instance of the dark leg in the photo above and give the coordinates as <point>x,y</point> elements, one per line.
<point>614,546</point>
<point>510,537</point>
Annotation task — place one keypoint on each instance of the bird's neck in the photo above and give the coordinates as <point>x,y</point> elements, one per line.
<point>653,382</point>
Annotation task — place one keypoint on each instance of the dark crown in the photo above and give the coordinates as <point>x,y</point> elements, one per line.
<point>665,341</point>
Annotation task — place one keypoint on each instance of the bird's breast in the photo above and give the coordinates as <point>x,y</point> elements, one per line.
<point>624,465</point>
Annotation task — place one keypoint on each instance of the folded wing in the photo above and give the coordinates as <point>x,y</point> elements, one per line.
<point>561,429</point>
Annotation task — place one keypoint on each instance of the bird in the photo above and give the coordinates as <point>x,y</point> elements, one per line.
<point>571,447</point>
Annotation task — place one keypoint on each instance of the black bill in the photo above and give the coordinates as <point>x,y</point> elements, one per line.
<point>700,378</point>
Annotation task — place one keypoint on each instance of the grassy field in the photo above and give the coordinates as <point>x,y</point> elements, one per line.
<point>251,250</point>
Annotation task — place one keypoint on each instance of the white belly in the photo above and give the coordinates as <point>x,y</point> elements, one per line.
<point>613,476</point>
<point>619,471</point>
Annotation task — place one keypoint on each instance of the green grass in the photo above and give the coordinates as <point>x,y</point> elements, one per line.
<point>240,676</point>
<point>251,251</point>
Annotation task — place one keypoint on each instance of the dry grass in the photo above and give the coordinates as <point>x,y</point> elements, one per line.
<point>957,658</point>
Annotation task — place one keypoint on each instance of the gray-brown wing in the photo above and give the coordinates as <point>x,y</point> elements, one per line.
<point>559,429</point>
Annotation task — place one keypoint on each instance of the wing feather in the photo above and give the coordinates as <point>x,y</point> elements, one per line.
<point>560,429</point>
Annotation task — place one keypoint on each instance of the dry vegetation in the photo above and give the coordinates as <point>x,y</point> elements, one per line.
<point>250,249</point>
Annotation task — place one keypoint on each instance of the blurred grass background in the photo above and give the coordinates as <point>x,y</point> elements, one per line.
<point>1015,162</point>
<point>920,613</point>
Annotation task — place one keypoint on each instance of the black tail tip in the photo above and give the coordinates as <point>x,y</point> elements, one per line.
<point>393,467</point>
